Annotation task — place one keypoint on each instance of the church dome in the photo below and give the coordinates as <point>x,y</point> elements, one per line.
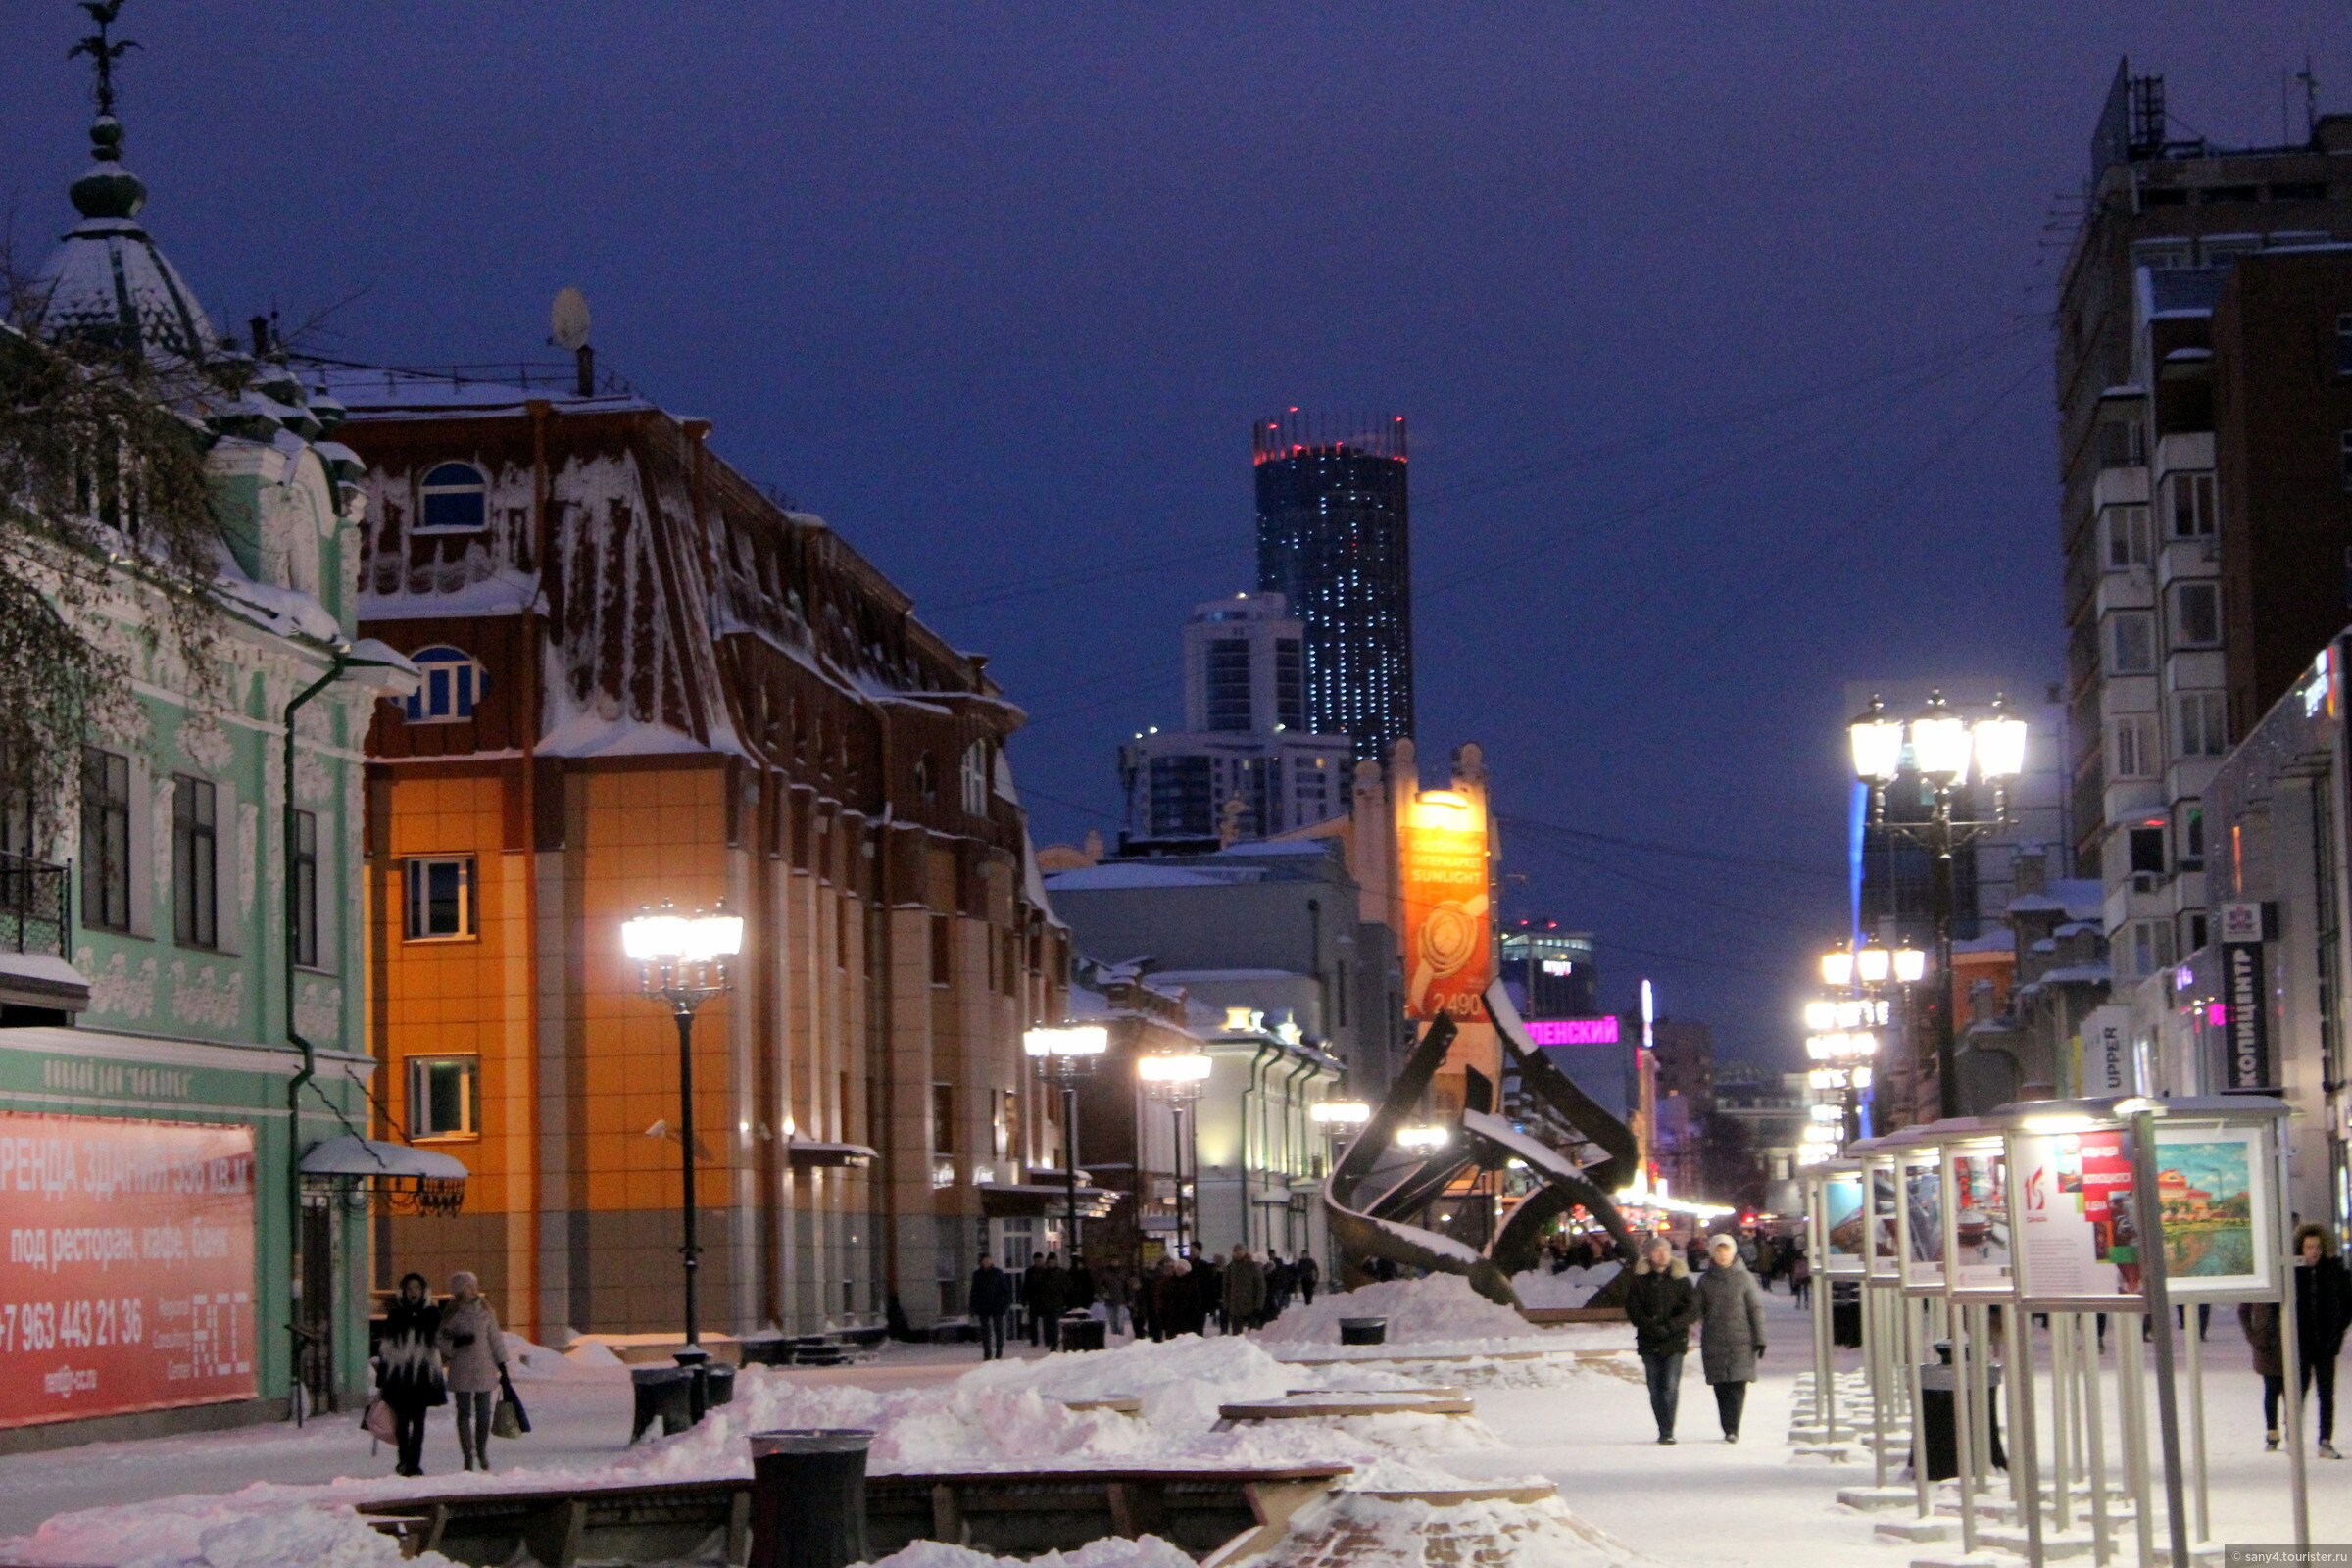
<point>107,284</point>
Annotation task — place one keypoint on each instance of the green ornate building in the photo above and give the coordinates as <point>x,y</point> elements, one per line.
<point>184,1072</point>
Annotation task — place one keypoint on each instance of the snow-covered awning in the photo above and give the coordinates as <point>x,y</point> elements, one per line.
<point>351,1156</point>
<point>40,979</point>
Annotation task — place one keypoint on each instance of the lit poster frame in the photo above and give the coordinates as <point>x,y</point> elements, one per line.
<point>2219,1214</point>
<point>1976,1232</point>
<point>2078,1235</point>
<point>1841,1213</point>
<point>1919,1214</point>
<point>1886,1221</point>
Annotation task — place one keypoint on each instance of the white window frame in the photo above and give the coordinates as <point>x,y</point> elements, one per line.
<point>2178,616</point>
<point>2204,510</point>
<point>2134,749</point>
<point>441,697</point>
<point>2145,625</point>
<point>427,489</point>
<point>416,870</point>
<point>2200,725</point>
<point>420,1100</point>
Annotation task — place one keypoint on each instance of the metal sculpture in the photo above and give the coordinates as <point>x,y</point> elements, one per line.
<point>1603,1155</point>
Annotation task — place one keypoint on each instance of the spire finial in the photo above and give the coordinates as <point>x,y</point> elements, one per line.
<point>105,192</point>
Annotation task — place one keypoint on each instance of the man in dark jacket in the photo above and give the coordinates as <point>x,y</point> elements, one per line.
<point>1083,1289</point>
<point>1028,1295</point>
<point>992,1298</point>
<point>1662,1304</point>
<point>2323,1311</point>
<point>1310,1274</point>
<point>1049,1294</point>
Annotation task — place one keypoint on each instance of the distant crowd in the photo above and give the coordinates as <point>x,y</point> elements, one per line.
<point>1173,1297</point>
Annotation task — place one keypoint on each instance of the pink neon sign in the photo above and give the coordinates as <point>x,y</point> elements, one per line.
<point>1573,1031</point>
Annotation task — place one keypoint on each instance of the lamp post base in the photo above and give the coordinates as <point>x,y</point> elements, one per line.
<point>696,1362</point>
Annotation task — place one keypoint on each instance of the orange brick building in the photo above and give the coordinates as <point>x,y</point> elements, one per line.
<point>646,679</point>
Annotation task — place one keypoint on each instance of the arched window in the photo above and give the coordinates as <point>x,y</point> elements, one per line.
<point>975,779</point>
<point>454,680</point>
<point>926,783</point>
<point>455,498</point>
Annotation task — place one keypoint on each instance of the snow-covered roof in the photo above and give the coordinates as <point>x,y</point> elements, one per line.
<point>2075,898</point>
<point>1196,977</point>
<point>1118,875</point>
<point>393,391</point>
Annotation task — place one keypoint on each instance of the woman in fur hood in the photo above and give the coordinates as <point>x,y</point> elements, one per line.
<point>1731,1330</point>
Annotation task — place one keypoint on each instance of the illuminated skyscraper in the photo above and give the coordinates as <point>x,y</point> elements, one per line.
<point>1332,539</point>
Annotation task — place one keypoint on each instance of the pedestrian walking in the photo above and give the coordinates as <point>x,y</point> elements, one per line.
<point>1208,1292</point>
<point>1800,1277</point>
<point>2259,1321</point>
<point>1244,1292</point>
<point>474,1353</point>
<point>1117,1290</point>
<point>2322,1310</point>
<point>1310,1274</point>
<point>1282,1278</point>
<point>1049,1295</point>
<point>408,1370</point>
<point>1028,1296</point>
<point>991,1299</point>
<point>1661,1305</point>
<point>1731,1330</point>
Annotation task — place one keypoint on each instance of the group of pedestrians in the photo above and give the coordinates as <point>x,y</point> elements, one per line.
<point>1176,1295</point>
<point>1725,1304</point>
<point>430,1354</point>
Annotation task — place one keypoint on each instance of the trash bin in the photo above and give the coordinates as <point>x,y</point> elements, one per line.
<point>1845,1314</point>
<point>719,1385</point>
<point>1938,1438</point>
<point>809,1498</point>
<point>1081,1331</point>
<point>663,1392</point>
<point>1363,1331</point>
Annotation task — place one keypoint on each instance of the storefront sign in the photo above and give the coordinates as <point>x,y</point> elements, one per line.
<point>2107,1051</point>
<point>2247,1037</point>
<point>1572,1031</point>
<point>129,1279</point>
<point>1448,940</point>
<point>2079,1236</point>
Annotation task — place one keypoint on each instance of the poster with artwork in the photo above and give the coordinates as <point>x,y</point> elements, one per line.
<point>2213,1190</point>
<point>1978,1194</point>
<point>2079,1235</point>
<point>1885,1227</point>
<point>1842,1221</point>
<point>1922,1221</point>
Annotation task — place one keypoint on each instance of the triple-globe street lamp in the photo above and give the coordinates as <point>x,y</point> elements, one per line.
<point>1174,1079</point>
<point>1943,749</point>
<point>682,961</point>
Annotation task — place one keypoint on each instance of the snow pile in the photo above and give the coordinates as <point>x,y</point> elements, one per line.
<point>1368,1531</point>
<point>1441,1307</point>
<point>1112,1551</point>
<point>536,1363</point>
<point>261,1527</point>
<point>1569,1288</point>
<point>1180,1382</point>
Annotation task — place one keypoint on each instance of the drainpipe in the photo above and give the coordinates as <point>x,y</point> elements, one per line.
<point>340,660</point>
<point>1290,1119</point>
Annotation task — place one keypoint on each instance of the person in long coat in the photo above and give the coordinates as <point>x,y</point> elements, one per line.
<point>1244,1292</point>
<point>1050,1298</point>
<point>992,1298</point>
<point>1731,1330</point>
<point>407,1369</point>
<point>2323,1311</point>
<point>2260,1321</point>
<point>475,1352</point>
<point>1662,1305</point>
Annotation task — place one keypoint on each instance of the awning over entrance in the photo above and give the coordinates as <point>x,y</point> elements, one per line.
<point>424,1180</point>
<point>1005,1201</point>
<point>807,1153</point>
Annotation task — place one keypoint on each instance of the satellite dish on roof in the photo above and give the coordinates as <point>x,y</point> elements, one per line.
<point>567,320</point>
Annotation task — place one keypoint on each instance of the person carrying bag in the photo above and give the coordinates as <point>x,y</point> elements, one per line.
<point>510,1419</point>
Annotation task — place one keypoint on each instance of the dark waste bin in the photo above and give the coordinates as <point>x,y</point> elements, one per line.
<point>1846,1315</point>
<point>663,1393</point>
<point>809,1498</point>
<point>1939,1438</point>
<point>1082,1331</point>
<point>1363,1331</point>
<point>719,1385</point>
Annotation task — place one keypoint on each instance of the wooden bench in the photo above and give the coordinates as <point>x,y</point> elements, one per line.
<point>1331,1406</point>
<point>1013,1513</point>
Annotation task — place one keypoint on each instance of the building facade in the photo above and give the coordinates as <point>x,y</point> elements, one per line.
<point>183,980</point>
<point>1552,973</point>
<point>1333,539</point>
<point>1245,766</point>
<point>645,680</point>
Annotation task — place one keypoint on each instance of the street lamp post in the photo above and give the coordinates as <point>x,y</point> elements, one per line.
<point>682,961</point>
<point>1174,1078</point>
<point>1070,1049</point>
<point>1341,1121</point>
<point>1942,746</point>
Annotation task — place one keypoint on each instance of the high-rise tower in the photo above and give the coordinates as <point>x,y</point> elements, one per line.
<point>1332,539</point>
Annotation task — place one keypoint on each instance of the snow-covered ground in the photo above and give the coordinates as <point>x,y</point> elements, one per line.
<point>1701,1501</point>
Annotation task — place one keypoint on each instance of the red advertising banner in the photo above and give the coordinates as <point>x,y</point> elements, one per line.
<point>130,1280</point>
<point>1449,943</point>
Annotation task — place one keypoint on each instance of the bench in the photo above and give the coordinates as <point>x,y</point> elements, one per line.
<point>1012,1513</point>
<point>1329,1406</point>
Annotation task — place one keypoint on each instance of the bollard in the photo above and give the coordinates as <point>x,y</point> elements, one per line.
<point>809,1498</point>
<point>1363,1331</point>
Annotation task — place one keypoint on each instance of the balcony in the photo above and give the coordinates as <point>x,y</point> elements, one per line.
<point>38,983</point>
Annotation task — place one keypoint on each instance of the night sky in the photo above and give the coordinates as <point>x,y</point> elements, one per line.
<point>1721,329</point>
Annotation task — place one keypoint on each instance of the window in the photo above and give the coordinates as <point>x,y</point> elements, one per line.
<point>2151,945</point>
<point>2189,839</point>
<point>2147,850</point>
<point>306,889</point>
<point>2134,754</point>
<point>1228,683</point>
<point>454,680</point>
<point>926,777</point>
<point>105,841</point>
<point>2192,509</point>
<point>2343,345</point>
<point>444,1097</point>
<point>2202,726</point>
<point>453,498</point>
<point>2128,541</point>
<point>1289,683</point>
<point>195,861</point>
<point>2131,646</point>
<point>2348,459</point>
<point>440,899</point>
<point>998,1101</point>
<point>975,779</point>
<point>845,914</point>
<point>2194,923</point>
<point>943,1118</point>
<point>2196,615</point>
<point>942,970</point>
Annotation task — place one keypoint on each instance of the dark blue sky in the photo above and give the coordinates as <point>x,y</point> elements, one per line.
<point>1719,326</point>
